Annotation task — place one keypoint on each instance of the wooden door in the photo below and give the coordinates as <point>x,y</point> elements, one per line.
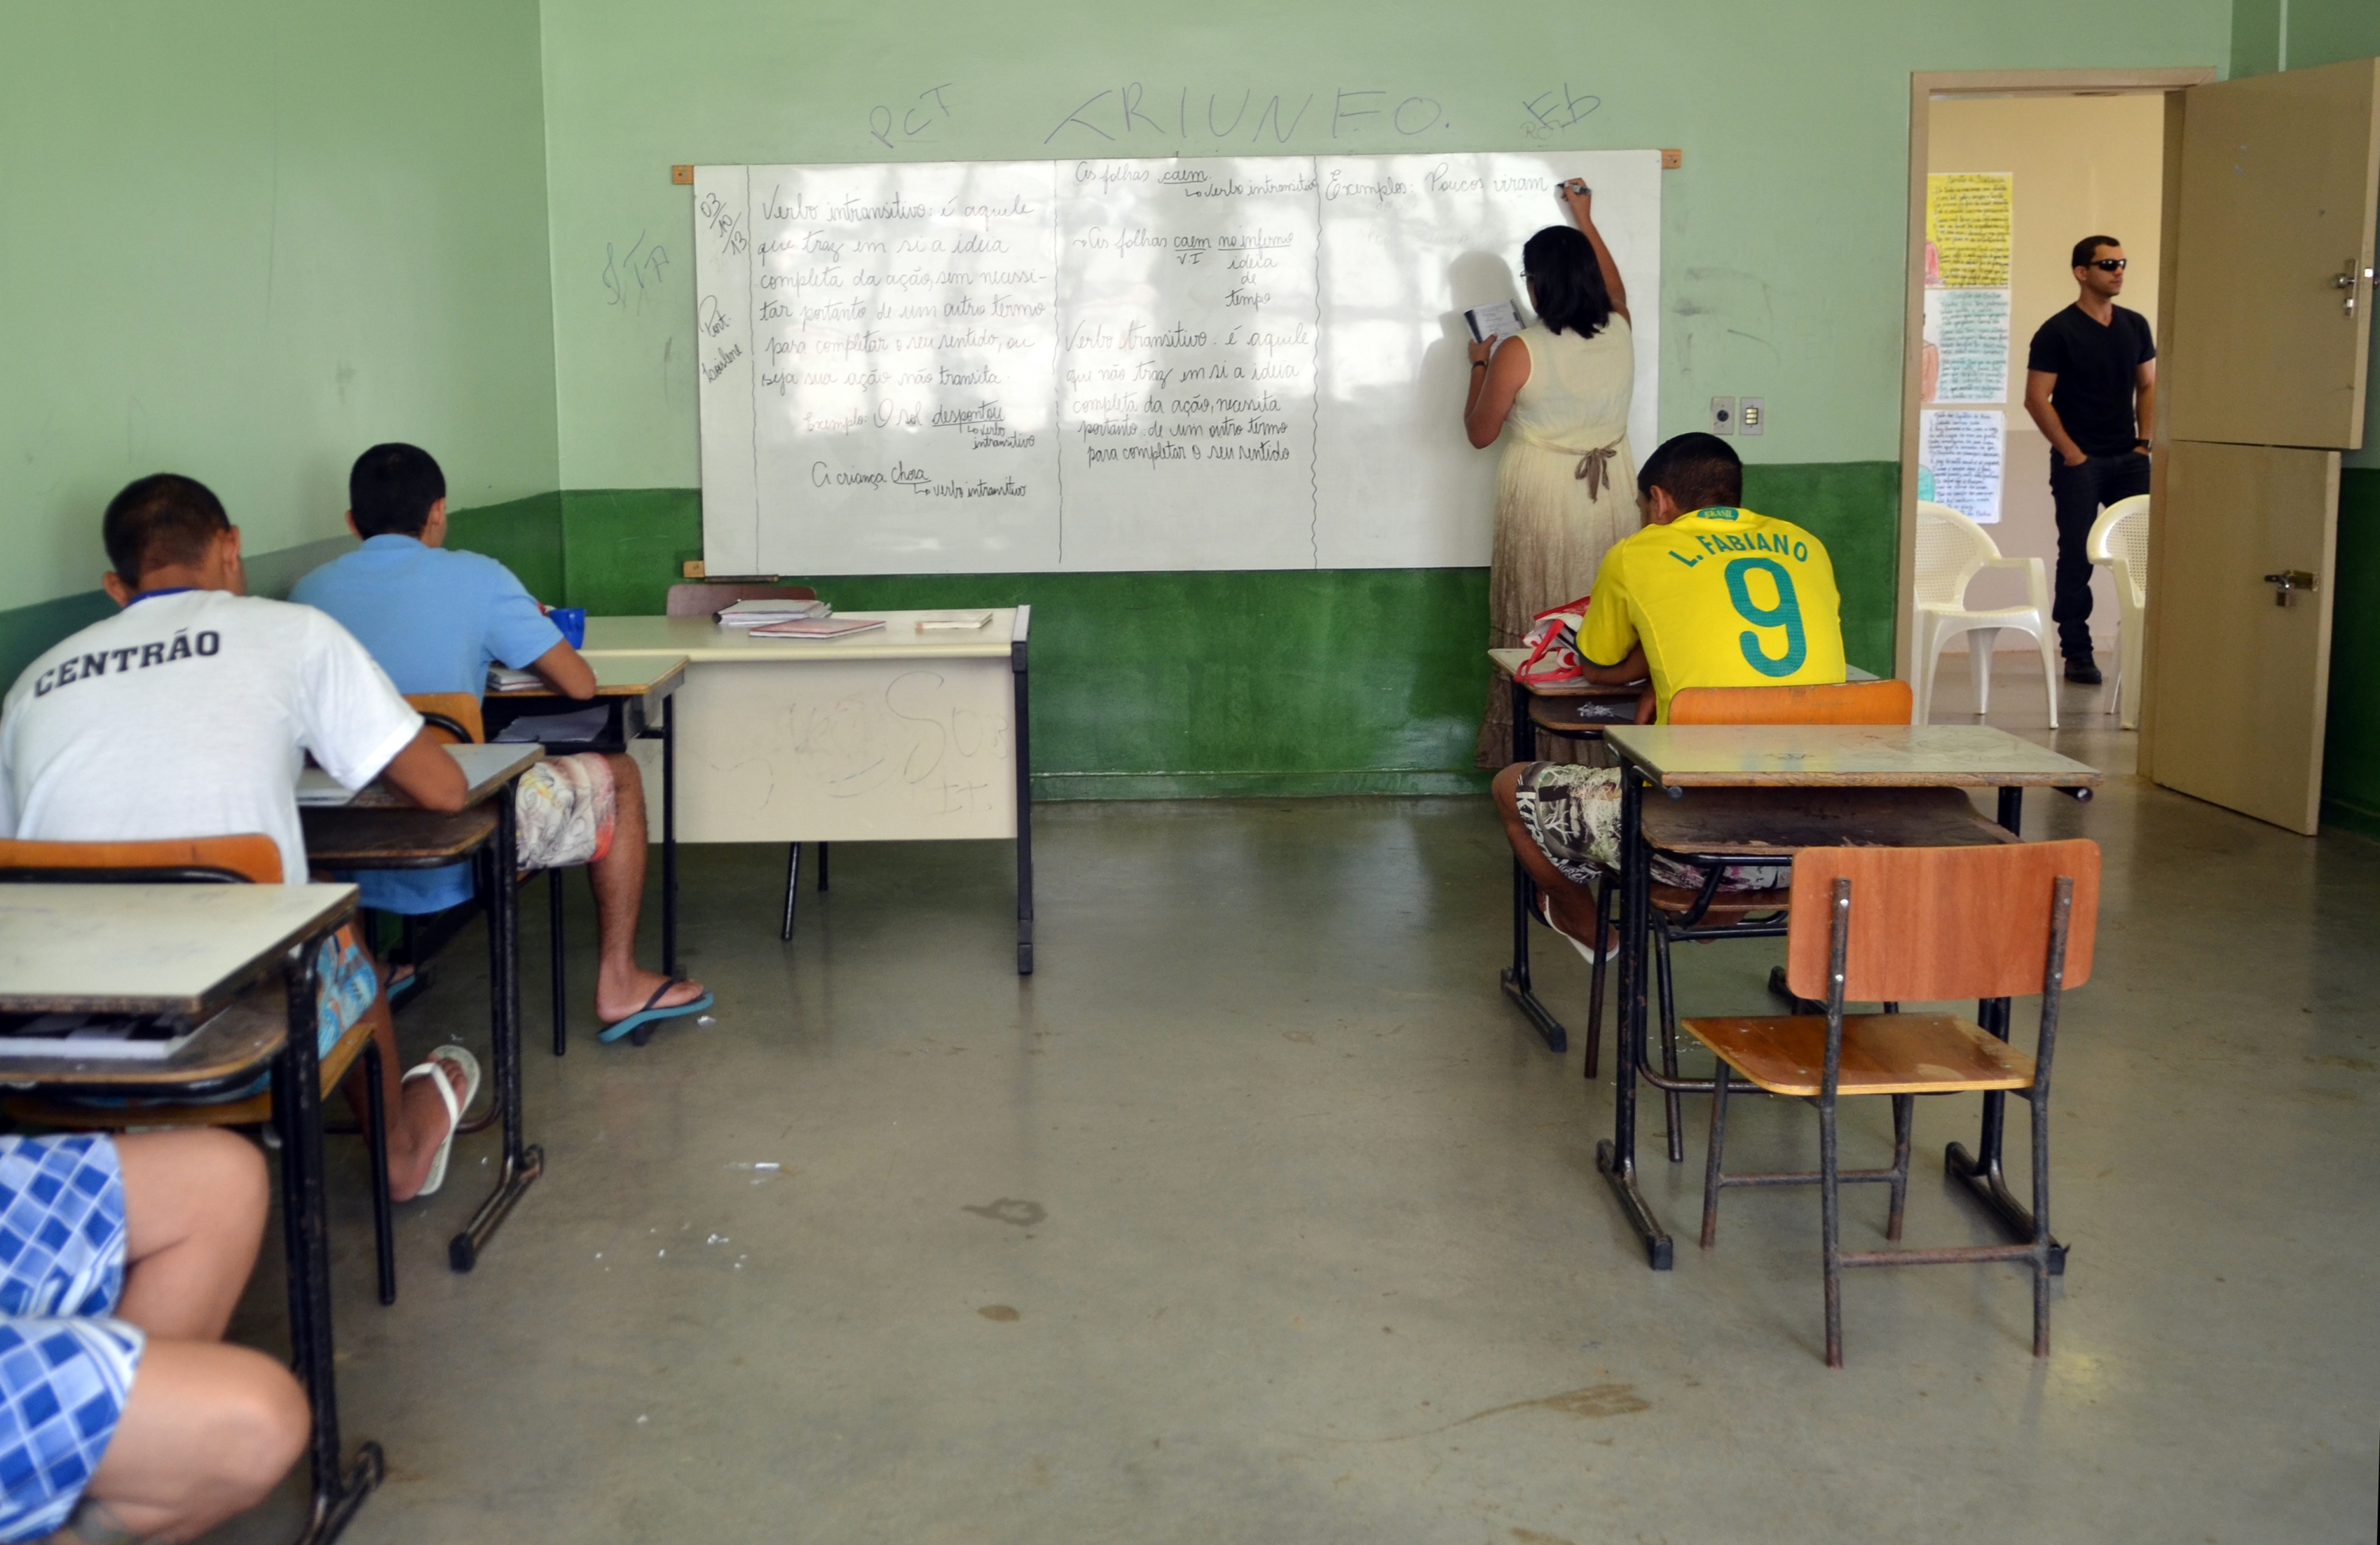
<point>2264,370</point>
<point>2243,682</point>
<point>2278,173</point>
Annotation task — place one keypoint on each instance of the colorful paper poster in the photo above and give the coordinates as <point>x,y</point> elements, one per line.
<point>1968,226</point>
<point>1966,346</point>
<point>1959,461</point>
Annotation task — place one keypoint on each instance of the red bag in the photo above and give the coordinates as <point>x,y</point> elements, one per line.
<point>1552,643</point>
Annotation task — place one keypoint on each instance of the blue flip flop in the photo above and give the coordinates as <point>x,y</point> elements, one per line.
<point>640,1022</point>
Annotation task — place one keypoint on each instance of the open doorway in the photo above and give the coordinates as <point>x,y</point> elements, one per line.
<point>2013,169</point>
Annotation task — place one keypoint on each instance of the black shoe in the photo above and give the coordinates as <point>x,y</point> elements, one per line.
<point>2083,669</point>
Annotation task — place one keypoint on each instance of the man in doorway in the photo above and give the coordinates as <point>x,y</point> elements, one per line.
<point>2090,384</point>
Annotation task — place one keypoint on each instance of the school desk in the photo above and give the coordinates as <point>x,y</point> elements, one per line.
<point>378,827</point>
<point>196,951</point>
<point>1575,711</point>
<point>898,734</point>
<point>636,692</point>
<point>1714,761</point>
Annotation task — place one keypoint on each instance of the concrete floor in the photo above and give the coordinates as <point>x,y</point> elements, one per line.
<point>1259,1215</point>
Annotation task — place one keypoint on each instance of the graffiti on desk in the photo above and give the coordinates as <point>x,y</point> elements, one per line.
<point>908,735</point>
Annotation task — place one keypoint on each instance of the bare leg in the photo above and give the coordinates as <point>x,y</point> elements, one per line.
<point>208,1430</point>
<point>618,880</point>
<point>420,1124</point>
<point>194,1208</point>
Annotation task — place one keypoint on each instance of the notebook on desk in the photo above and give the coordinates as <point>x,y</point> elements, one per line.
<point>318,789</point>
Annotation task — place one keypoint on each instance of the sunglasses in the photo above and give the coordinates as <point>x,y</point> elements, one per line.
<point>2108,265</point>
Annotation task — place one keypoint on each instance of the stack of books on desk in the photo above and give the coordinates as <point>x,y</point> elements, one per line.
<point>762,614</point>
<point>502,678</point>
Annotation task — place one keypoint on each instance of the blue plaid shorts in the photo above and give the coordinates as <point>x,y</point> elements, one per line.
<point>66,1367</point>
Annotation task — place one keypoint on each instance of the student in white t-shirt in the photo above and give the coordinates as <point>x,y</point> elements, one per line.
<point>189,714</point>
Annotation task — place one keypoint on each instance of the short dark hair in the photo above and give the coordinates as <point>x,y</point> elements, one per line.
<point>2087,249</point>
<point>392,488</point>
<point>1701,471</point>
<point>158,520</point>
<point>1570,290</point>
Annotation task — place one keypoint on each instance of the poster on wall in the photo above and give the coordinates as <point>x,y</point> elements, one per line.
<point>1969,247</point>
<point>1959,459</point>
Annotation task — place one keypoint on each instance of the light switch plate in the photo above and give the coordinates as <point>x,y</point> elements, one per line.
<point>1722,416</point>
<point>1750,414</point>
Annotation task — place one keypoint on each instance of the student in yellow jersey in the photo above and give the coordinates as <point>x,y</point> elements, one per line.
<point>1707,595</point>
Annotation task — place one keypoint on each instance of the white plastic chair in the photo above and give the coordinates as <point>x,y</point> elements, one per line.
<point>1951,550</point>
<point>2120,540</point>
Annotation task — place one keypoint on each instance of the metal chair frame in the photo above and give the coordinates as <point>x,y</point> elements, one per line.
<point>1831,1176</point>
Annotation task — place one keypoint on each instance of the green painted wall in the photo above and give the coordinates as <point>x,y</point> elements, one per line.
<point>2350,758</point>
<point>1783,235</point>
<point>1163,684</point>
<point>246,239</point>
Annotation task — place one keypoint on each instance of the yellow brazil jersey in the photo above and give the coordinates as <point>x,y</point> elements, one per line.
<point>1720,598</point>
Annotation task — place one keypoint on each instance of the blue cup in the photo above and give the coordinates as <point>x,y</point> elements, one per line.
<point>572,620</point>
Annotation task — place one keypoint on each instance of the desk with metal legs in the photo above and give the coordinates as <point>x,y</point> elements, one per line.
<point>193,951</point>
<point>1678,759</point>
<point>1572,710</point>
<point>380,828</point>
<point>906,732</point>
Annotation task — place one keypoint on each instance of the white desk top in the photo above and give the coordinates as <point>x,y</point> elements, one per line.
<point>485,768</point>
<point>702,640</point>
<point>1843,755</point>
<point>149,948</point>
<point>617,674</point>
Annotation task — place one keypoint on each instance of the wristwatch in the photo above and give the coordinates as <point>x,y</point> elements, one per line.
<point>2142,445</point>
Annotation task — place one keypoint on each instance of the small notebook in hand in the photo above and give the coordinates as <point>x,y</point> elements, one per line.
<point>1501,320</point>
<point>817,627</point>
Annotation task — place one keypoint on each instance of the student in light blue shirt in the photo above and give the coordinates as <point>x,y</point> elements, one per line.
<point>435,620</point>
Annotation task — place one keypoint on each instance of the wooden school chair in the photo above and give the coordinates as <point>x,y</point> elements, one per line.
<point>1707,913</point>
<point>709,598</point>
<point>245,858</point>
<point>1896,924</point>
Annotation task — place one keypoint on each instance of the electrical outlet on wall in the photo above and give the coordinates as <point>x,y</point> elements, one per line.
<point>1750,414</point>
<point>1722,416</point>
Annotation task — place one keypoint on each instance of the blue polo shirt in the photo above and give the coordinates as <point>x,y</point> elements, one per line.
<point>434,620</point>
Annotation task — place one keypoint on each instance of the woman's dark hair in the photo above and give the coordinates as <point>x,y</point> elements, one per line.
<point>1560,261</point>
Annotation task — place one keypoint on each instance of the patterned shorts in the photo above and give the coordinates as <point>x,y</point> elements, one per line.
<point>567,809</point>
<point>66,1367</point>
<point>1573,813</point>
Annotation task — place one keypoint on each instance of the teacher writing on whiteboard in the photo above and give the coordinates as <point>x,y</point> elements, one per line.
<point>1559,397</point>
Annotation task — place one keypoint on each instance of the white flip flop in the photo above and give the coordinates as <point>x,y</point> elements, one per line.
<point>1586,951</point>
<point>462,1058</point>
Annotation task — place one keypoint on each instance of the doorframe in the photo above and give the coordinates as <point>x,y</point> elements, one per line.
<point>1924,86</point>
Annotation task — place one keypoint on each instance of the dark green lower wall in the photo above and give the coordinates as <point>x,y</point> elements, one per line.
<point>1157,685</point>
<point>2350,757</point>
<point>1274,681</point>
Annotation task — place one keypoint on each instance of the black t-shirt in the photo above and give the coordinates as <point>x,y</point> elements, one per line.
<point>2095,366</point>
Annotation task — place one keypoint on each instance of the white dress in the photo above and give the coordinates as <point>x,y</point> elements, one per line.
<point>1565,492</point>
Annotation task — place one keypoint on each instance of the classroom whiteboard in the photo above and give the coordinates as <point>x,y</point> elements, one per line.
<point>1230,363</point>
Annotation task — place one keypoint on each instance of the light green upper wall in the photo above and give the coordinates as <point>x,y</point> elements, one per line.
<point>1783,235</point>
<point>245,239</point>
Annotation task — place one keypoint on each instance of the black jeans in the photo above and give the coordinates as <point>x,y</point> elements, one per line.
<point>2079,492</point>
